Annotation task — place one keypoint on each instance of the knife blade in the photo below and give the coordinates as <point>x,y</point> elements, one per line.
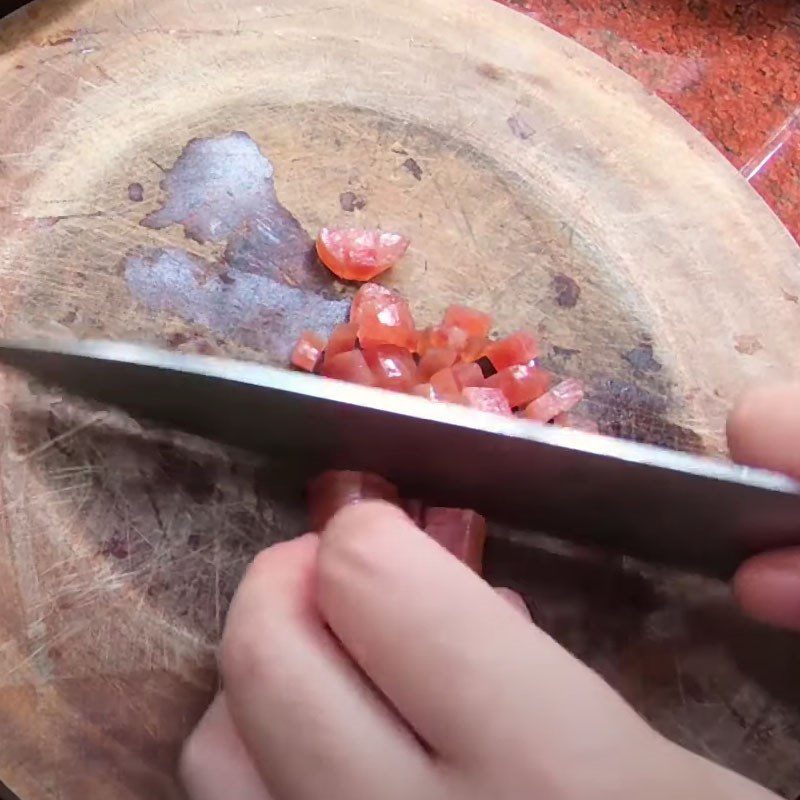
<point>646,501</point>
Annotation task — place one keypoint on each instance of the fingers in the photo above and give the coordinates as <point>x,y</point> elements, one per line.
<point>466,670</point>
<point>764,429</point>
<point>215,763</point>
<point>313,725</point>
<point>767,588</point>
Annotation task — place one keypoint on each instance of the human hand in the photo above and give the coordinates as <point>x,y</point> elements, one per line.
<point>764,431</point>
<point>369,664</point>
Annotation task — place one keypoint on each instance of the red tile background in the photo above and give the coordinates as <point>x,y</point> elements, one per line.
<point>731,68</point>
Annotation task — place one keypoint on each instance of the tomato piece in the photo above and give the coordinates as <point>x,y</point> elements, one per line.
<point>342,339</point>
<point>475,348</point>
<point>561,398</point>
<point>484,399</point>
<point>393,367</point>
<point>460,531</point>
<point>350,367</point>
<point>333,490</point>
<point>382,316</point>
<point>308,351</point>
<point>520,348</point>
<point>520,383</point>
<point>359,255</point>
<point>444,383</point>
<point>468,375</point>
<point>435,360</point>
<point>472,322</point>
<point>425,390</point>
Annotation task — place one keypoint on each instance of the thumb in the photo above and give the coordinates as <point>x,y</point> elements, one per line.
<point>764,431</point>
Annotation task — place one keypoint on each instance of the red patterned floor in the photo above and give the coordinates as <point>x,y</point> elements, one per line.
<point>731,68</point>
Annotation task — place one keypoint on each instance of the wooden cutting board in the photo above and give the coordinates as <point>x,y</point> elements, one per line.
<point>163,165</point>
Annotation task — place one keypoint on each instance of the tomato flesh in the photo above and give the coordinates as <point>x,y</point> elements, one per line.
<point>460,531</point>
<point>382,316</point>
<point>472,322</point>
<point>333,490</point>
<point>520,383</point>
<point>359,255</point>
<point>485,399</point>
<point>468,375</point>
<point>444,384</point>
<point>308,351</point>
<point>563,397</point>
<point>520,348</point>
<point>393,367</point>
<point>343,339</point>
<point>435,360</point>
<point>350,367</point>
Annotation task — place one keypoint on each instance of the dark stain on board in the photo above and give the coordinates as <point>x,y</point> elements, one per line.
<point>747,345</point>
<point>520,126</point>
<point>136,192</point>
<point>567,290</point>
<point>350,202</point>
<point>412,166</point>
<point>641,359</point>
<point>268,286</point>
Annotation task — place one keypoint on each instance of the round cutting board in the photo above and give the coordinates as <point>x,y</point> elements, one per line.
<point>163,167</point>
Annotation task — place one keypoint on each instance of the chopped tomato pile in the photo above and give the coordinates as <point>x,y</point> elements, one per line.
<point>455,361</point>
<point>460,531</point>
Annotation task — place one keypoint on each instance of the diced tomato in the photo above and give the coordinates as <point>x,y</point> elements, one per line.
<point>442,336</point>
<point>520,383</point>
<point>561,398</point>
<point>475,348</point>
<point>460,531</point>
<point>335,489</point>
<point>342,339</point>
<point>359,255</point>
<point>382,316</point>
<point>576,422</point>
<point>472,322</point>
<point>308,351</point>
<point>393,367</point>
<point>468,375</point>
<point>349,366</point>
<point>444,383</point>
<point>425,390</point>
<point>520,348</point>
<point>492,400</point>
<point>435,360</point>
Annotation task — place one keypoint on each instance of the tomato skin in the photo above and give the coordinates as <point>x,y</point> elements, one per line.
<point>308,351</point>
<point>520,383</point>
<point>333,490</point>
<point>473,323</point>
<point>486,399</point>
<point>560,399</point>
<point>349,366</point>
<point>460,531</point>
<point>393,367</point>
<point>519,348</point>
<point>435,360</point>
<point>359,255</point>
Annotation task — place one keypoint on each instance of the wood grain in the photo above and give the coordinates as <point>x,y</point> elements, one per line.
<point>536,182</point>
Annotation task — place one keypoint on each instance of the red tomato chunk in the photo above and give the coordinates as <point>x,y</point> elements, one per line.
<point>343,339</point>
<point>472,322</point>
<point>335,489</point>
<point>468,375</point>
<point>308,351</point>
<point>492,400</point>
<point>359,255</point>
<point>520,383</point>
<point>393,367</point>
<point>349,366</point>
<point>382,316</point>
<point>435,360</point>
<point>561,398</point>
<point>517,349</point>
<point>460,531</point>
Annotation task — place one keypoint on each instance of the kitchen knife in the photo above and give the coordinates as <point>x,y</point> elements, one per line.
<point>646,501</point>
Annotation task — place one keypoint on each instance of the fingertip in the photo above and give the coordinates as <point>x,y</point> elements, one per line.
<point>764,428</point>
<point>767,588</point>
